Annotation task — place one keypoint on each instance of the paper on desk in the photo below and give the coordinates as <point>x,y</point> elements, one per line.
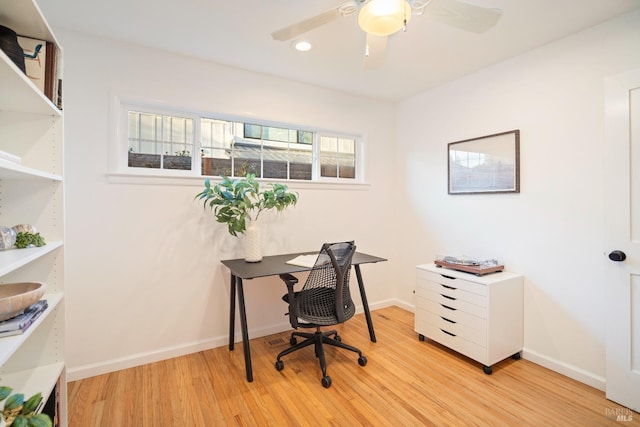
<point>304,260</point>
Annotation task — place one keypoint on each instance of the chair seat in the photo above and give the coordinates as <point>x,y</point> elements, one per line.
<point>318,307</point>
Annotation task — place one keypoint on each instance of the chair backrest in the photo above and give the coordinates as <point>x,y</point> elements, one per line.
<point>325,298</point>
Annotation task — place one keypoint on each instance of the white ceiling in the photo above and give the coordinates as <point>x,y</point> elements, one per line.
<point>237,33</point>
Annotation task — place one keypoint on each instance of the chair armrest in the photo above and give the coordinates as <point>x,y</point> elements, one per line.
<point>289,279</point>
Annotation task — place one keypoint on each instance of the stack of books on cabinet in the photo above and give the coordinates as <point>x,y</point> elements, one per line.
<point>31,174</point>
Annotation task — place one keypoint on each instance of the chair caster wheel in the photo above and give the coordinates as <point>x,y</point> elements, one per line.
<point>362,361</point>
<point>326,381</point>
<point>338,338</point>
<point>293,341</point>
<point>279,365</point>
<point>487,370</point>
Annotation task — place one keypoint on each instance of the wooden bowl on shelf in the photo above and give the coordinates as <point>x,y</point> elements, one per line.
<point>15,297</point>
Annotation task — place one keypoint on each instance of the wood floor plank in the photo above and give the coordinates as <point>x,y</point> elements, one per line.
<point>405,382</point>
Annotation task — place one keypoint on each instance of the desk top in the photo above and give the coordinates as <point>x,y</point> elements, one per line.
<point>277,264</point>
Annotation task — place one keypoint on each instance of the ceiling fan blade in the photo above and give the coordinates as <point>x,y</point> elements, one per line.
<point>462,15</point>
<point>375,51</point>
<point>294,30</point>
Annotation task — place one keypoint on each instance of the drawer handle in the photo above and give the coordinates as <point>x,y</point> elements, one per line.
<point>448,297</point>
<point>448,277</point>
<point>448,287</point>
<point>448,333</point>
<point>450,308</point>
<point>447,320</point>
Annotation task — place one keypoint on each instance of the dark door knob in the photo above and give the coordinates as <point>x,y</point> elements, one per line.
<point>617,256</point>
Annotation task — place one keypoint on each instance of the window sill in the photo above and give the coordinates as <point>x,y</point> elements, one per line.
<point>157,179</point>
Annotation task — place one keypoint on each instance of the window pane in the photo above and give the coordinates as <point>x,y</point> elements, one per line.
<point>216,142</point>
<point>337,157</point>
<point>252,131</point>
<point>300,161</point>
<point>157,141</point>
<point>236,149</point>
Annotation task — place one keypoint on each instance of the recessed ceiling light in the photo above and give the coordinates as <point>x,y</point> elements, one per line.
<point>301,45</point>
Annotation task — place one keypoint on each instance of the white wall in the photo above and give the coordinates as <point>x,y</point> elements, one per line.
<point>143,276</point>
<point>552,232</point>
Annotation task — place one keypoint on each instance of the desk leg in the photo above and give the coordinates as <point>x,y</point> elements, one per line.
<point>245,332</point>
<point>365,304</point>
<point>232,312</point>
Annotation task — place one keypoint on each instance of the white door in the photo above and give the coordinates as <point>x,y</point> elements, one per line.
<point>622,237</point>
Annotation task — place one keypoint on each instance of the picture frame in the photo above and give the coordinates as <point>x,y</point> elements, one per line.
<point>485,165</point>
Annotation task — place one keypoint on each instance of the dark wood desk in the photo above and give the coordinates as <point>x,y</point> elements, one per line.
<point>273,266</point>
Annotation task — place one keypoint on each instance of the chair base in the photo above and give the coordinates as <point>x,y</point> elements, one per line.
<point>318,339</point>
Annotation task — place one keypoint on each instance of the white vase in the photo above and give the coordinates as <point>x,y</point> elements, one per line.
<point>252,242</point>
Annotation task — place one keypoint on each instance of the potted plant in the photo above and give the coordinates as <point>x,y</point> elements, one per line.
<point>239,202</point>
<point>20,413</point>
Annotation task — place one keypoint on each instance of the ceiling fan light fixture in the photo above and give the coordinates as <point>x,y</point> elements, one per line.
<point>384,17</point>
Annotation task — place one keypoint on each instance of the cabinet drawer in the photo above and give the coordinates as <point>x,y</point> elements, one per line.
<point>444,279</point>
<point>452,303</point>
<point>468,332</point>
<point>457,316</point>
<point>452,292</point>
<point>457,343</point>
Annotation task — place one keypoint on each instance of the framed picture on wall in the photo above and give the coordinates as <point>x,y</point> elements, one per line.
<point>487,164</point>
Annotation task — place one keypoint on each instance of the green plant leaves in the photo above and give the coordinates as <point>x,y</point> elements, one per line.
<point>40,420</point>
<point>20,422</point>
<point>31,404</point>
<point>13,402</point>
<point>234,200</point>
<point>5,392</point>
<point>19,413</point>
<point>25,239</point>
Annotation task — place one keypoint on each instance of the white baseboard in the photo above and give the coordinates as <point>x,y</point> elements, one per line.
<point>565,369</point>
<point>139,359</point>
<point>133,360</point>
<point>86,371</point>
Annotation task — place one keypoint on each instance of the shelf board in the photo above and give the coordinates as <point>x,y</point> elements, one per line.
<point>19,94</point>
<point>12,259</point>
<point>12,170</point>
<point>26,19</point>
<point>41,379</point>
<point>9,345</point>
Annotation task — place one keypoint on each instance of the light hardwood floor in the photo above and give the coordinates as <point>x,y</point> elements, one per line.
<point>405,383</point>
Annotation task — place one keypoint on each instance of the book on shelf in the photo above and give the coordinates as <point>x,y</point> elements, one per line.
<point>35,59</point>
<point>50,70</point>
<point>53,75</point>
<point>19,324</point>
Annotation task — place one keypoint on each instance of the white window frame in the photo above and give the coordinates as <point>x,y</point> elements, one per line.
<point>118,153</point>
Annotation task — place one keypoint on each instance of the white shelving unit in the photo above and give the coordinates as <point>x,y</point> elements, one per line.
<point>32,192</point>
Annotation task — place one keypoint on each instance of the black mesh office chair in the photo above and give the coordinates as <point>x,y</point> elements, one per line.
<point>324,300</point>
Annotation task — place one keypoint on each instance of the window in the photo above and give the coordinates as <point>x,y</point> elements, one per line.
<point>158,141</point>
<point>206,146</point>
<point>235,149</point>
<point>337,157</point>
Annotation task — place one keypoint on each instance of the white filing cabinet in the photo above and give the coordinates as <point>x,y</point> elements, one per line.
<point>478,316</point>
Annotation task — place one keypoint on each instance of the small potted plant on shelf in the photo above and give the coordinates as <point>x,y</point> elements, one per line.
<point>239,202</point>
<point>20,413</point>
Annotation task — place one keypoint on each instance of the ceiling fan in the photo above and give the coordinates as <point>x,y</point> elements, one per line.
<point>381,18</point>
